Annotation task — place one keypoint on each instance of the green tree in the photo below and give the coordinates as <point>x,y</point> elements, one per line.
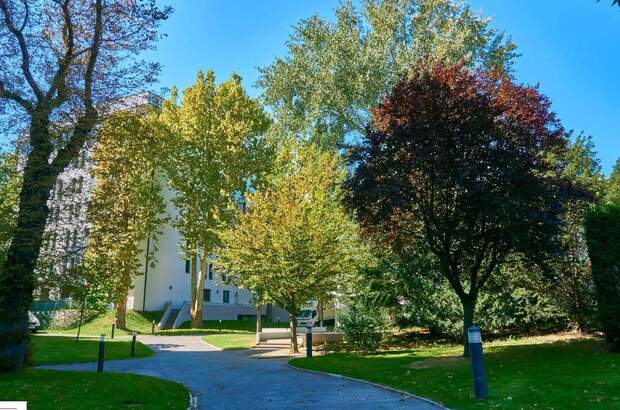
<point>126,205</point>
<point>295,243</point>
<point>62,62</point>
<point>215,152</point>
<point>336,72</point>
<point>10,185</point>
<point>571,272</point>
<point>603,236</point>
<point>613,185</point>
<point>416,294</point>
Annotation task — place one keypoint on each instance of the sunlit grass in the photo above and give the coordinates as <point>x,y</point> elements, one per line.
<point>522,374</point>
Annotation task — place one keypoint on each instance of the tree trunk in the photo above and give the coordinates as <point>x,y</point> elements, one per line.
<point>259,322</point>
<point>293,325</point>
<point>121,310</point>
<point>16,276</point>
<point>197,302</point>
<point>77,337</point>
<point>469,305</point>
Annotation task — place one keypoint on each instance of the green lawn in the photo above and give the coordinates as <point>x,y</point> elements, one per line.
<point>141,322</point>
<point>566,374</point>
<point>242,325</point>
<point>51,389</point>
<point>63,349</point>
<point>231,341</point>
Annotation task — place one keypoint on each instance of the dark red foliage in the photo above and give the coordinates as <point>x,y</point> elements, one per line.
<point>466,163</point>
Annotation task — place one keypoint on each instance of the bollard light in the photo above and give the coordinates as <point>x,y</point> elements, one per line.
<point>133,344</point>
<point>477,362</point>
<point>278,321</point>
<point>309,341</point>
<point>220,325</point>
<point>113,327</point>
<point>101,355</point>
<point>153,327</point>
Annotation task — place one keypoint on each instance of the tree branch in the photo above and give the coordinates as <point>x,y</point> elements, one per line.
<point>4,93</point>
<point>19,35</point>
<point>86,123</point>
<point>59,82</point>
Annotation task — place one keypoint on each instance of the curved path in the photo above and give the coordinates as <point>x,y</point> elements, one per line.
<point>231,380</point>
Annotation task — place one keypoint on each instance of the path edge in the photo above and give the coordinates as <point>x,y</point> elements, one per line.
<point>381,386</point>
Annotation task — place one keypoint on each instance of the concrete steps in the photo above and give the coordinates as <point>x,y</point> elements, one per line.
<point>170,322</point>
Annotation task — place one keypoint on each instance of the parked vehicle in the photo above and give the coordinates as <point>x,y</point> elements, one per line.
<point>315,314</point>
<point>33,322</point>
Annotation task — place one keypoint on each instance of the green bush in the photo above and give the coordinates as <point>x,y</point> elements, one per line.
<point>513,302</point>
<point>362,326</point>
<point>603,238</point>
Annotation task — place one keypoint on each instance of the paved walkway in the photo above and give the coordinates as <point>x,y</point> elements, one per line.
<point>232,380</point>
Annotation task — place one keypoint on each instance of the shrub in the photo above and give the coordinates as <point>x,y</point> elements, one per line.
<point>362,326</point>
<point>603,238</point>
<point>514,302</point>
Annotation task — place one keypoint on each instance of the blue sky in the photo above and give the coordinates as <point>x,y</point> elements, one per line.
<point>570,47</point>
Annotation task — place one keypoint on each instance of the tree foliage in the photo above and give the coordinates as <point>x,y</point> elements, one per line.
<point>362,326</point>
<point>603,236</point>
<point>613,185</point>
<point>460,162</point>
<point>415,294</point>
<point>10,185</point>
<point>62,62</point>
<point>570,272</point>
<point>214,152</point>
<point>336,71</point>
<point>295,243</point>
<point>126,204</point>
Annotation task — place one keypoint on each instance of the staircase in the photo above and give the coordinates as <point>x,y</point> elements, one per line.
<point>171,318</point>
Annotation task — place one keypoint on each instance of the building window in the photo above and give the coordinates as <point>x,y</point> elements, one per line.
<point>207,295</point>
<point>226,296</point>
<point>210,270</point>
<point>187,265</point>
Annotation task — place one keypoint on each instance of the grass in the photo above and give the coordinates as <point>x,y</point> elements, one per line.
<point>140,322</point>
<point>61,349</point>
<point>521,374</point>
<point>231,341</point>
<point>46,389</point>
<point>239,325</point>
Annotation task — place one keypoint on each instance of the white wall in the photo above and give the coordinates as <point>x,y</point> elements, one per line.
<point>167,280</point>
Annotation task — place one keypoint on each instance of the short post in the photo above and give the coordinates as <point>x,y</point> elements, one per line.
<point>153,327</point>
<point>309,341</point>
<point>113,328</point>
<point>278,321</point>
<point>101,353</point>
<point>477,362</point>
<point>220,325</point>
<point>133,344</point>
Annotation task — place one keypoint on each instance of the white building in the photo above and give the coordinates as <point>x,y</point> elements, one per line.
<point>165,285</point>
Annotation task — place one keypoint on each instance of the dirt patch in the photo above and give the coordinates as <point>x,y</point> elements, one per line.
<point>448,361</point>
